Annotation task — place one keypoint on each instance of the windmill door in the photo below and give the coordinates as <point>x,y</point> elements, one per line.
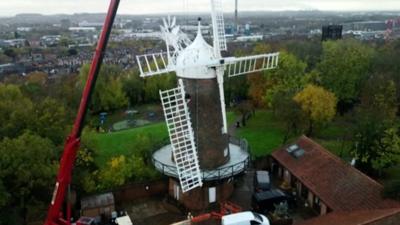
<point>177,191</point>
<point>212,194</point>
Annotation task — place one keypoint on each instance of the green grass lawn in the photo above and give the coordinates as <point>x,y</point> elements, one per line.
<point>263,133</point>
<point>230,117</point>
<point>113,144</point>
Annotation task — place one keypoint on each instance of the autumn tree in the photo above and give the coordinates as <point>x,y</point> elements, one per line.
<point>116,173</point>
<point>317,104</point>
<point>123,169</point>
<point>258,82</point>
<point>345,64</point>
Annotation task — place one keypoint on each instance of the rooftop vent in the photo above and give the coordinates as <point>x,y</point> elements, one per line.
<point>292,148</point>
<point>298,153</point>
<point>295,151</point>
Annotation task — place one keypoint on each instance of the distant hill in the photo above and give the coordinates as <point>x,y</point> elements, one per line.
<point>34,18</point>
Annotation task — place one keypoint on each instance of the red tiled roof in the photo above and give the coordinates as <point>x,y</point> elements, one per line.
<point>359,217</point>
<point>339,185</point>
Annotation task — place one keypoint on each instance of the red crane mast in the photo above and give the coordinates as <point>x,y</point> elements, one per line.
<point>71,146</point>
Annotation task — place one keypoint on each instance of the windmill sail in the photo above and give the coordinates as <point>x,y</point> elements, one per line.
<point>251,64</point>
<point>217,16</point>
<point>154,64</point>
<point>181,136</point>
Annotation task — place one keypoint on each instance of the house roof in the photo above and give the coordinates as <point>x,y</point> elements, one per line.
<point>359,217</point>
<point>339,185</point>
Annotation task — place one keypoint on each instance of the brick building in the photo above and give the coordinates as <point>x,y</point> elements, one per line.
<point>326,182</point>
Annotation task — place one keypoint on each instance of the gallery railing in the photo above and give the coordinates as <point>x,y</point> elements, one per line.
<point>217,174</point>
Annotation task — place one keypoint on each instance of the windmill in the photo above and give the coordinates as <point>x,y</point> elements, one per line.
<point>195,110</point>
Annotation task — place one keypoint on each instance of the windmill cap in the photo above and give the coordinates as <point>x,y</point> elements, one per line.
<point>192,61</point>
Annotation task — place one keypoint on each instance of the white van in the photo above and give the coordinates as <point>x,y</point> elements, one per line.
<point>245,218</point>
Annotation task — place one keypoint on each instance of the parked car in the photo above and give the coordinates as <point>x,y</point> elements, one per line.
<point>245,218</point>
<point>263,202</point>
<point>262,181</point>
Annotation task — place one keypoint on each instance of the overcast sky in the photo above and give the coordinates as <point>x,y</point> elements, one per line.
<point>12,7</point>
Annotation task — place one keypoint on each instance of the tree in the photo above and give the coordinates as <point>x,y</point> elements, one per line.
<point>236,89</point>
<point>244,108</point>
<point>388,150</point>
<point>376,134</point>
<point>386,62</point>
<point>108,94</point>
<point>27,171</point>
<point>50,120</point>
<point>344,66</point>
<point>86,172</point>
<point>133,87</point>
<point>289,112</point>
<point>386,59</point>
<point>152,85</point>
<point>308,51</point>
<point>288,77</point>
<point>15,111</point>
<point>379,98</point>
<point>318,105</point>
<point>257,88</point>
<point>34,86</point>
<point>117,172</point>
<point>376,146</point>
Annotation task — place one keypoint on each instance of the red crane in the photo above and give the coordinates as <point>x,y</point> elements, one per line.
<point>55,215</point>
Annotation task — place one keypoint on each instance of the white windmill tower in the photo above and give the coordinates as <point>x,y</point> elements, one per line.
<point>195,110</point>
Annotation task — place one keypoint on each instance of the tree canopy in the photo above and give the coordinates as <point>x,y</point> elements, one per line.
<point>108,94</point>
<point>344,65</point>
<point>318,105</point>
<point>27,170</point>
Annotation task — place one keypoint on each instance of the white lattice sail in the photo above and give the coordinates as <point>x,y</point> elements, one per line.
<point>154,64</point>
<point>251,64</point>
<point>181,136</point>
<point>217,16</point>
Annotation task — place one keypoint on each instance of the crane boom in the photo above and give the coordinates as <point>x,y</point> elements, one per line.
<point>71,146</point>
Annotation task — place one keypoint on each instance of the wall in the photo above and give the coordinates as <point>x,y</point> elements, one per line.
<point>198,198</point>
<point>141,190</point>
